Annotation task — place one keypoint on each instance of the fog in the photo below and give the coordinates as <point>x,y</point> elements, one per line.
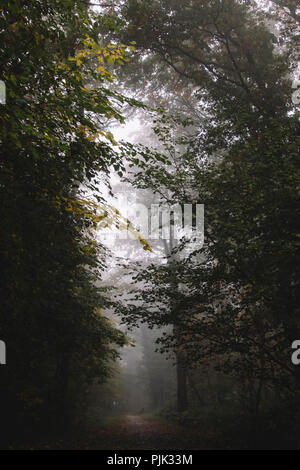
<point>149,240</point>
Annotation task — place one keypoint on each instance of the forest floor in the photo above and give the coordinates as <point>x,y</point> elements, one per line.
<point>131,432</point>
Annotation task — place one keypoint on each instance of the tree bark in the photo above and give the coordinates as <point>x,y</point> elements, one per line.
<point>182,397</point>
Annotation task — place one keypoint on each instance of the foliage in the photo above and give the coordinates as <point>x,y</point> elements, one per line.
<point>236,301</point>
<point>54,148</point>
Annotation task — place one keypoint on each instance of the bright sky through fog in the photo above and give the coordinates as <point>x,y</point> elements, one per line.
<point>131,131</point>
<point>126,131</point>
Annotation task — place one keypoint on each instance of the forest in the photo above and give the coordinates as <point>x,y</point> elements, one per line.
<point>150,235</point>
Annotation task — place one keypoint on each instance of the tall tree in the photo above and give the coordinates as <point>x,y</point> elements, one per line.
<point>54,145</point>
<point>243,165</point>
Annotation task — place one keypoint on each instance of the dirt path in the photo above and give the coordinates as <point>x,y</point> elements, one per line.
<point>134,432</point>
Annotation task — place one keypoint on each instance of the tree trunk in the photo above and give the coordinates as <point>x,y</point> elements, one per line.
<point>182,398</point>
